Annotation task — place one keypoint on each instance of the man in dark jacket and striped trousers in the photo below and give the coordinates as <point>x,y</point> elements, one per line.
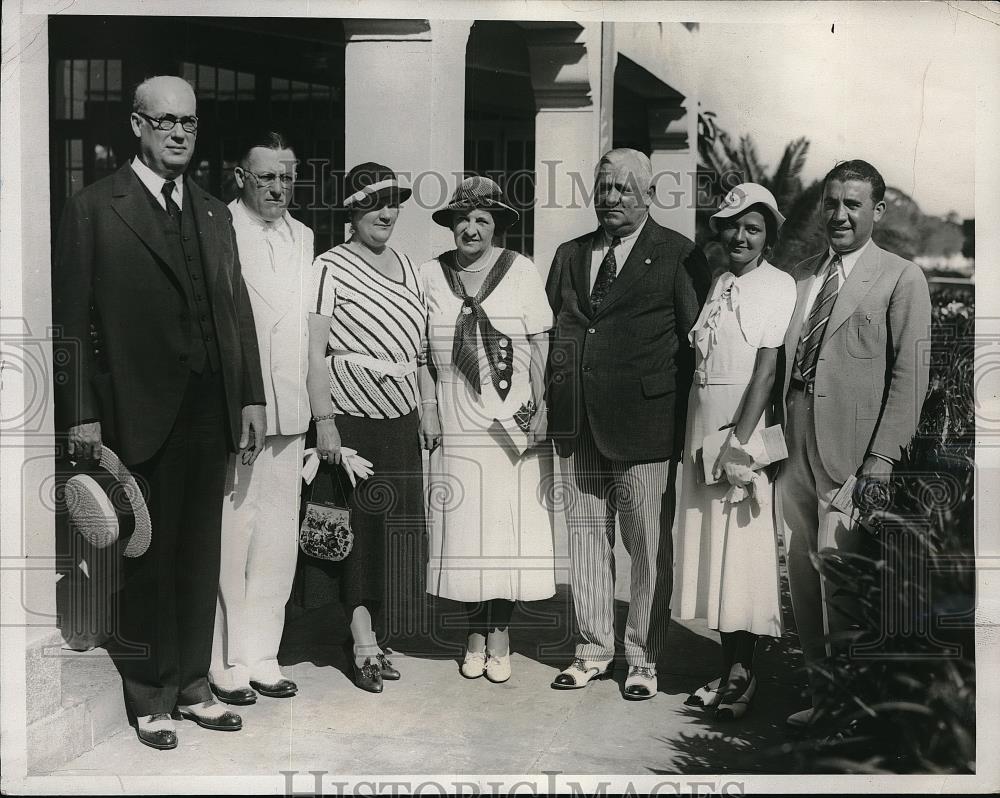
<point>625,297</point>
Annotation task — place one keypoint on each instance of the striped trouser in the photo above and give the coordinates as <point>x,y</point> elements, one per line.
<point>642,496</point>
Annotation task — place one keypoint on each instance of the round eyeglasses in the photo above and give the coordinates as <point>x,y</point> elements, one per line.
<point>166,122</point>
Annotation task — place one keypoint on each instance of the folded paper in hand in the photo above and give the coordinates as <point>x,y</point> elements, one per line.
<point>764,447</point>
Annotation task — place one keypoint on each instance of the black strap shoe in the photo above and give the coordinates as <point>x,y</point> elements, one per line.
<point>389,673</point>
<point>283,688</point>
<point>368,676</point>
<point>241,696</point>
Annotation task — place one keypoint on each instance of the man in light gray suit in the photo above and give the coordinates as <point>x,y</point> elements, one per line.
<point>855,380</point>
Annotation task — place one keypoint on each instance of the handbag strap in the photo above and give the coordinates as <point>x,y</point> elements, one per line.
<point>337,468</point>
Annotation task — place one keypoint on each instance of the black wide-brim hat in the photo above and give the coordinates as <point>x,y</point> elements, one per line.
<point>477,193</point>
<point>369,184</point>
<point>103,502</point>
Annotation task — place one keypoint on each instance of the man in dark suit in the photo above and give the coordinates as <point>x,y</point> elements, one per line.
<point>149,259</point>
<point>624,297</point>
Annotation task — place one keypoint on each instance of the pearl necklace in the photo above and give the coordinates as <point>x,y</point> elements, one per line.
<point>467,270</point>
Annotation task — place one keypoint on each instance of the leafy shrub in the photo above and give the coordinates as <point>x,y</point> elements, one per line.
<point>900,696</point>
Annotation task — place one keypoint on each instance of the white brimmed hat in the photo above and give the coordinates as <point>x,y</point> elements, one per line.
<point>741,198</point>
<point>105,503</point>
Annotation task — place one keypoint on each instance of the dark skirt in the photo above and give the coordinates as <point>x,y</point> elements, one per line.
<point>385,569</point>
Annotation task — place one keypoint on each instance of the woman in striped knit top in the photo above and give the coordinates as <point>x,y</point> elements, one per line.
<point>365,333</point>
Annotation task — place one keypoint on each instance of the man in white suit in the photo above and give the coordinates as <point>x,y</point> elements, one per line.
<point>261,510</point>
<point>855,379</point>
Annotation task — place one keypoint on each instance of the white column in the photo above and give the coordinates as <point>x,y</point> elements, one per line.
<point>673,136</point>
<point>26,422</point>
<point>566,72</point>
<point>405,108</point>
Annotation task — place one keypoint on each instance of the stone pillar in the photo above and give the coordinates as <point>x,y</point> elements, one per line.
<point>673,136</point>
<point>405,107</point>
<point>26,422</point>
<point>567,76</point>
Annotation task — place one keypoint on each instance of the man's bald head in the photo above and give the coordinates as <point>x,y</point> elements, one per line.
<point>623,190</point>
<point>159,88</point>
<point>157,101</point>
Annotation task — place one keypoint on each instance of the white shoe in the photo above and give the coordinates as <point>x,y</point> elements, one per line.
<point>581,672</point>
<point>707,696</point>
<point>733,704</point>
<point>640,684</point>
<point>801,719</point>
<point>474,665</point>
<point>498,668</point>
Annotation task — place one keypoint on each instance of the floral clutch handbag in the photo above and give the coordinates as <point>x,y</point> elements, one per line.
<point>325,531</point>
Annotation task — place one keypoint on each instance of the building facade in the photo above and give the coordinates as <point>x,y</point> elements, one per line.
<point>532,104</point>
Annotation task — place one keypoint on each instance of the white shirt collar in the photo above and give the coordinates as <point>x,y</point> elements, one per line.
<point>282,225</point>
<point>847,259</point>
<point>628,240</point>
<point>154,183</point>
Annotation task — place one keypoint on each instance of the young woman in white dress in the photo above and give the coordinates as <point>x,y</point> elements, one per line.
<point>726,550</point>
<point>488,318</point>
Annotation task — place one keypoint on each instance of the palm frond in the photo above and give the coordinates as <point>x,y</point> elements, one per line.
<point>786,183</point>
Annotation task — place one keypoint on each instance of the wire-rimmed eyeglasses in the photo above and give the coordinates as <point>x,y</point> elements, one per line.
<point>268,179</point>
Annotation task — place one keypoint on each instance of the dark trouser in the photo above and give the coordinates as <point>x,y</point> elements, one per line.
<point>163,646</point>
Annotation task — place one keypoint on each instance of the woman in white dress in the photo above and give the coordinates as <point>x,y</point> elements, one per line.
<point>726,550</point>
<point>481,414</point>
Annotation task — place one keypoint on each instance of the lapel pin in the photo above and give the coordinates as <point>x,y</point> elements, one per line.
<point>648,261</point>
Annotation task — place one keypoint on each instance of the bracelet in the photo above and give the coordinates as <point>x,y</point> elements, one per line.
<point>327,417</point>
<point>428,402</point>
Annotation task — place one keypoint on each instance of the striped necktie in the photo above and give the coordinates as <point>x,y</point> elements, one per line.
<point>808,350</point>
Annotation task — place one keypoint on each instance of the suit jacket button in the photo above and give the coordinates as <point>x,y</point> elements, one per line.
<point>591,331</point>
<point>586,368</point>
<point>183,358</point>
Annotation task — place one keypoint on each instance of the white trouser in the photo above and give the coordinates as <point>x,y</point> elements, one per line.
<point>260,520</point>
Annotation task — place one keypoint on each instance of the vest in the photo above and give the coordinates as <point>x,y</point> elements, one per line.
<point>185,256</point>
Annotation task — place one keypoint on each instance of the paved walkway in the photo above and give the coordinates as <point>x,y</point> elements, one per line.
<point>434,721</point>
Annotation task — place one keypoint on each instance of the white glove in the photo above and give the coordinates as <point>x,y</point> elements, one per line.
<point>354,464</point>
<point>744,481</point>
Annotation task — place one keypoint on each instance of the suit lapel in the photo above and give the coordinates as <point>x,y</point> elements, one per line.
<point>207,227</point>
<point>803,285</point>
<point>859,282</point>
<point>130,201</point>
<point>639,261</point>
<point>260,278</point>
<point>581,273</point>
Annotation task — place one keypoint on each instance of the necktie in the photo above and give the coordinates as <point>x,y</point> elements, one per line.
<point>819,316</point>
<point>606,275</point>
<point>168,196</point>
<point>269,234</point>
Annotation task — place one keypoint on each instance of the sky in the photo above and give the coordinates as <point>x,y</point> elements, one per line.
<point>899,93</point>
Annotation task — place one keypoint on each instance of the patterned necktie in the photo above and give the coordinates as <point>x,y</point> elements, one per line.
<point>606,275</point>
<point>168,196</point>
<point>808,351</point>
